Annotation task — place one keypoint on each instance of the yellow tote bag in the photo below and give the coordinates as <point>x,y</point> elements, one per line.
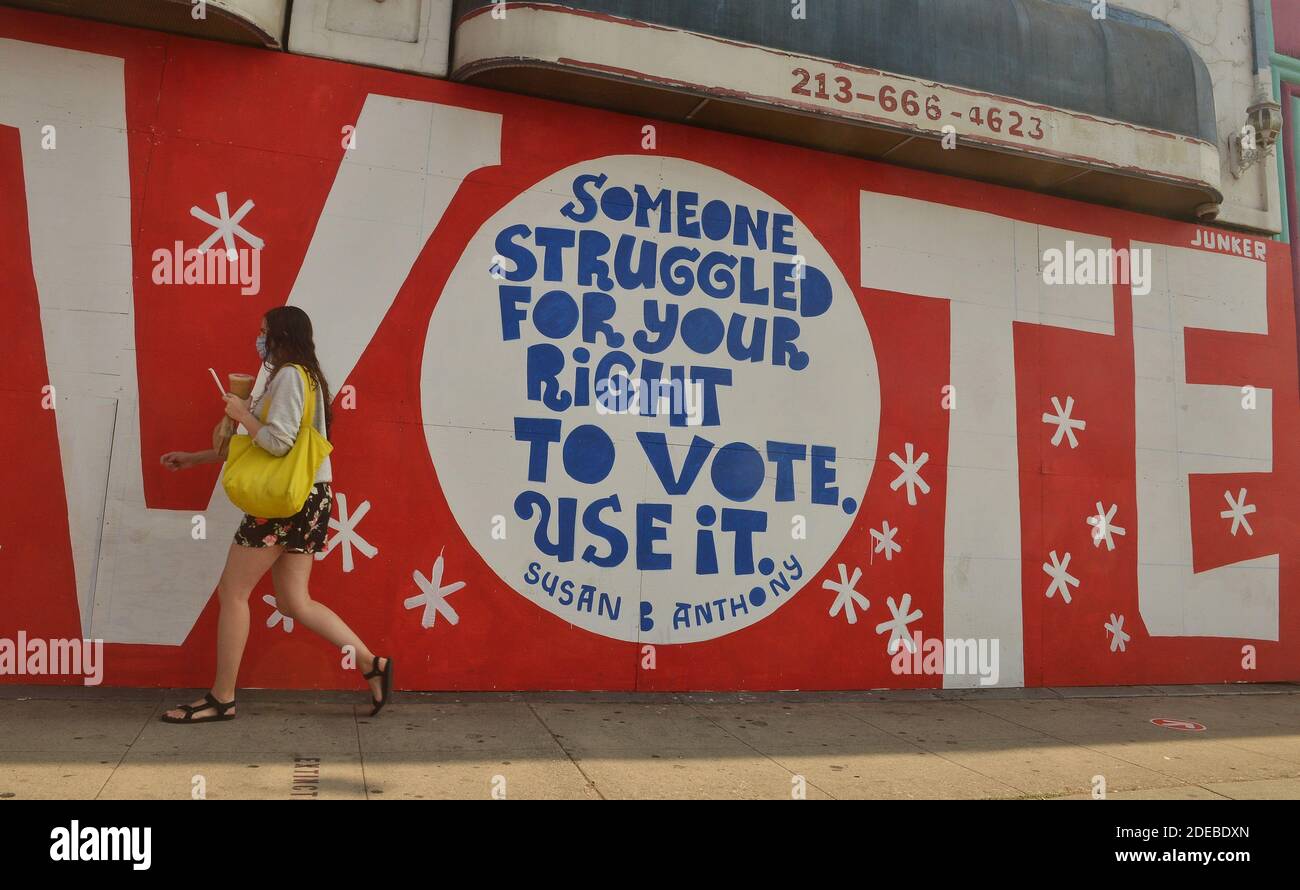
<point>270,487</point>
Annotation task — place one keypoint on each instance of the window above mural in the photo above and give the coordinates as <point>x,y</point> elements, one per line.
<point>1286,27</point>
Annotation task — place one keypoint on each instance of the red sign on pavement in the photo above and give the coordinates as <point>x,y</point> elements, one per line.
<point>1183,725</point>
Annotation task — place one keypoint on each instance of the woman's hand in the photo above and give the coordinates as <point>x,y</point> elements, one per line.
<point>237,408</point>
<point>179,460</point>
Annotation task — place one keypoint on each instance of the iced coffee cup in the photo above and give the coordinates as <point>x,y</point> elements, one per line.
<point>242,386</point>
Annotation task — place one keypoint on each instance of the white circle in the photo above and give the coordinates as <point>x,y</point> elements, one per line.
<point>474,387</point>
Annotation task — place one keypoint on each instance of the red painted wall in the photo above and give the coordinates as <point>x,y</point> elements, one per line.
<point>205,117</point>
<point>1286,27</point>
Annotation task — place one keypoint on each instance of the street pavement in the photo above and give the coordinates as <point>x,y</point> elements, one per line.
<point>77,742</point>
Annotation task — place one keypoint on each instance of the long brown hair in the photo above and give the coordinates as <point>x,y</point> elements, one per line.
<point>289,342</point>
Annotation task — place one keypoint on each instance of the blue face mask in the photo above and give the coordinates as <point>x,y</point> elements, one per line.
<point>261,346</point>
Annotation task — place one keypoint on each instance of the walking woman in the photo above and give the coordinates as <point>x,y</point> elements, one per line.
<point>274,422</point>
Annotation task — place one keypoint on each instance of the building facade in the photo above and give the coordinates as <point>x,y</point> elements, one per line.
<point>1286,83</point>
<point>674,345</point>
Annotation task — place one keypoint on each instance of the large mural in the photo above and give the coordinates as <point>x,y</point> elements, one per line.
<point>622,404</point>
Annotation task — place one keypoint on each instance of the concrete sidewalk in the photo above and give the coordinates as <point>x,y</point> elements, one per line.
<point>108,743</point>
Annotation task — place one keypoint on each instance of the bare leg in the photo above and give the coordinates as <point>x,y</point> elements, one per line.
<point>291,574</point>
<point>245,566</point>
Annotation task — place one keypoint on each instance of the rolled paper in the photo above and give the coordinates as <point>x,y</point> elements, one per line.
<point>242,386</point>
<point>220,439</point>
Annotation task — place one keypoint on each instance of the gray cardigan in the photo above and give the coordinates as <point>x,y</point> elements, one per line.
<point>280,428</point>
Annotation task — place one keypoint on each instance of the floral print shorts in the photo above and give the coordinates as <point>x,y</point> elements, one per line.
<point>304,532</point>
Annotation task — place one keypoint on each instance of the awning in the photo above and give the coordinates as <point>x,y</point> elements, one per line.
<point>254,22</point>
<point>1040,93</point>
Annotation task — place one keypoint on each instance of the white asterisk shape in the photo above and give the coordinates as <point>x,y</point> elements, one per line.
<point>897,626</point>
<point>846,594</point>
<point>1118,636</point>
<point>433,595</point>
<point>276,616</point>
<point>911,475</point>
<point>1237,511</point>
<point>1103,528</point>
<point>1065,425</point>
<point>346,526</point>
<point>885,541</point>
<point>226,227</point>
<point>1061,579</point>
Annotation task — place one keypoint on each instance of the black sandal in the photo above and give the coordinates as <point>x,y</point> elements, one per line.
<point>387,674</point>
<point>212,704</point>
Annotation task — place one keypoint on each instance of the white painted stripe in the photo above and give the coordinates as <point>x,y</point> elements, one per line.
<point>1185,429</point>
<point>988,267</point>
<point>147,580</point>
